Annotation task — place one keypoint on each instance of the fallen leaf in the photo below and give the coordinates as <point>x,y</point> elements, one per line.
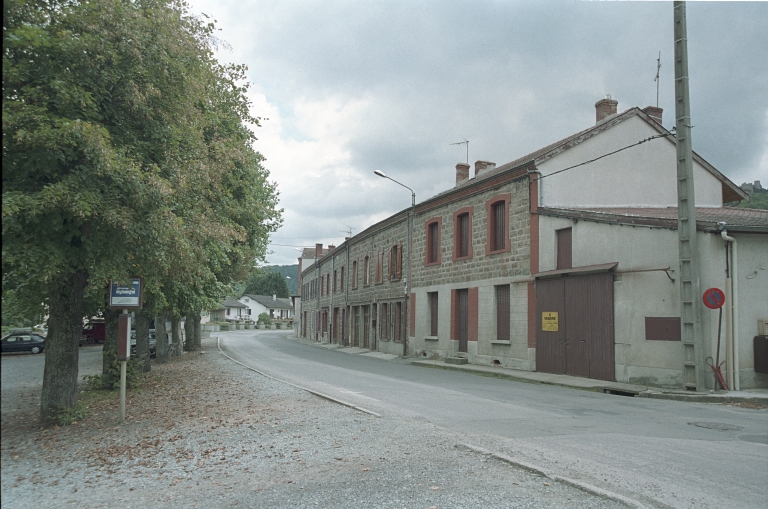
<point>365,469</point>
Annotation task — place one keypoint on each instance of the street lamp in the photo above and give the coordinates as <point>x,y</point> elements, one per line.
<point>411,216</point>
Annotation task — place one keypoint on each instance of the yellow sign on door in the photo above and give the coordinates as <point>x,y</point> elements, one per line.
<point>549,321</point>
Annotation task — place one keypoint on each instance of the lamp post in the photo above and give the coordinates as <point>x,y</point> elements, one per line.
<point>411,215</point>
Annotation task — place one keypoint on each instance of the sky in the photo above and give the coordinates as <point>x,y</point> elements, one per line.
<point>348,87</point>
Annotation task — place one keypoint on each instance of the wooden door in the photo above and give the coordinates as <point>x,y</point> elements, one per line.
<point>463,323</point>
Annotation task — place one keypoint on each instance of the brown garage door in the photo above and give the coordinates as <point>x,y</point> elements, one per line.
<point>583,344</point>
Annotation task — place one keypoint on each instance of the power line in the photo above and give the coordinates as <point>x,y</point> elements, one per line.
<point>605,155</point>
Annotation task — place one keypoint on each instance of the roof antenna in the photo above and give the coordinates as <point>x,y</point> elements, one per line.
<point>348,232</point>
<point>462,143</point>
<point>656,79</point>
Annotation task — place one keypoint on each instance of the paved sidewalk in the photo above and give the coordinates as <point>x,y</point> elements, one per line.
<point>753,396</point>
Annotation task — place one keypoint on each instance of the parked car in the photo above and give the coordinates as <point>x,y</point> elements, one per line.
<point>23,342</point>
<point>152,343</point>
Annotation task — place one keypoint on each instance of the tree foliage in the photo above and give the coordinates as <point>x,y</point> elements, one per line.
<point>267,283</point>
<point>126,151</point>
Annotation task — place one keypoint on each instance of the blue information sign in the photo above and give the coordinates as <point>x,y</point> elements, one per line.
<point>125,296</point>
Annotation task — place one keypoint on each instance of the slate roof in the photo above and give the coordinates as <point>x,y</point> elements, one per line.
<point>266,301</point>
<point>232,303</point>
<point>731,192</point>
<point>736,219</point>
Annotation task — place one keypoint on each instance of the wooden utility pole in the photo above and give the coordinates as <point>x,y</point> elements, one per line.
<point>690,291</point>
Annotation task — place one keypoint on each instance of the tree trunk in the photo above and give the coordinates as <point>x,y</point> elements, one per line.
<point>142,339</point>
<point>161,348</point>
<point>65,325</point>
<point>198,332</point>
<point>189,332</point>
<point>109,352</point>
<point>176,334</point>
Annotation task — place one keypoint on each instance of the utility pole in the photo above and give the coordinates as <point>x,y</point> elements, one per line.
<point>690,315</point>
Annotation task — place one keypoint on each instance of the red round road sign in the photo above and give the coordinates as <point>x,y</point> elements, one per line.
<point>714,298</point>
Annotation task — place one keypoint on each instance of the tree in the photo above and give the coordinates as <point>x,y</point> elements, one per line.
<point>267,283</point>
<point>126,151</point>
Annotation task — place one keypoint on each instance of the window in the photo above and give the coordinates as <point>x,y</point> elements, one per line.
<point>354,274</point>
<point>335,276</point>
<point>366,272</point>
<point>564,249</point>
<point>433,241</point>
<point>341,279</point>
<point>497,210</point>
<point>379,262</point>
<point>432,297</point>
<point>395,261</point>
<point>502,312</point>
<point>462,234</point>
<point>322,285</point>
<point>397,312</point>
<point>384,321</point>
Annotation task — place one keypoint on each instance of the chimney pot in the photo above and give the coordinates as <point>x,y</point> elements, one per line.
<point>462,173</point>
<point>318,250</point>
<point>331,247</point>
<point>483,166</point>
<point>605,108</point>
<point>654,112</point>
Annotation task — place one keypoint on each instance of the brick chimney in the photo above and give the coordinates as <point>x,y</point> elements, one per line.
<point>331,247</point>
<point>605,108</point>
<point>318,250</point>
<point>654,112</point>
<point>483,166</point>
<point>462,173</point>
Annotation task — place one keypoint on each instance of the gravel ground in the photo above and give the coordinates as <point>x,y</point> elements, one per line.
<point>203,431</point>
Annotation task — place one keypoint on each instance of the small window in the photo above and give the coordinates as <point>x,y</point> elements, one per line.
<point>462,233</point>
<point>498,226</point>
<point>354,274</point>
<point>379,268</point>
<point>502,312</point>
<point>335,277</point>
<point>433,307</point>
<point>395,261</point>
<point>366,272</point>
<point>341,279</point>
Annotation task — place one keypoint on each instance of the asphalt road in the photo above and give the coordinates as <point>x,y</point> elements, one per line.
<point>657,452</point>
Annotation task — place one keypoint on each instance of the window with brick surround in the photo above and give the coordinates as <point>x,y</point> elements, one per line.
<point>497,215</point>
<point>502,312</point>
<point>432,255</point>
<point>433,302</point>
<point>366,271</point>
<point>395,267</point>
<point>379,268</point>
<point>353,283</point>
<point>462,234</point>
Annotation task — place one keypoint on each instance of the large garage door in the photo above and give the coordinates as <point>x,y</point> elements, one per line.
<point>574,326</point>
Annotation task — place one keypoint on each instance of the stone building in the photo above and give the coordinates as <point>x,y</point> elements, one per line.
<point>561,261</point>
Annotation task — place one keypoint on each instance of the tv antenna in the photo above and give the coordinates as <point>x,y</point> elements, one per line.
<point>465,142</point>
<point>656,79</point>
<point>348,232</point>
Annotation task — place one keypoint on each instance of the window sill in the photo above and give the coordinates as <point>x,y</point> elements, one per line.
<point>460,258</point>
<point>431,264</point>
<point>499,251</point>
<point>501,342</point>
<point>431,338</point>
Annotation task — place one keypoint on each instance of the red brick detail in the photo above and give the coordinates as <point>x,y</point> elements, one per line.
<point>506,198</point>
<point>472,318</point>
<point>454,313</point>
<point>412,317</point>
<point>531,315</point>
<point>456,236</point>
<point>428,243</point>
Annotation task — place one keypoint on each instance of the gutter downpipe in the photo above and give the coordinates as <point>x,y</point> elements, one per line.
<point>330,307</point>
<point>732,312</point>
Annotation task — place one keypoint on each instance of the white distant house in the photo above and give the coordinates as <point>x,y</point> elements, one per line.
<point>276,308</point>
<point>229,310</point>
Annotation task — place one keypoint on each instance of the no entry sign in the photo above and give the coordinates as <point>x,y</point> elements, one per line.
<point>714,298</point>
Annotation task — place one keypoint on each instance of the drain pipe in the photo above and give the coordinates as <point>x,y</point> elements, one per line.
<point>732,329</point>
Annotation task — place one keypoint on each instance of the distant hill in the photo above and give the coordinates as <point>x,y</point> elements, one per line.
<point>291,271</point>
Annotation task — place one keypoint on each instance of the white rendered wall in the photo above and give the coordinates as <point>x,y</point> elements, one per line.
<point>642,176</point>
<point>752,287</point>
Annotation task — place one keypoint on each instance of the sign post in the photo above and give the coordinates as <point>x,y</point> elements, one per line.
<point>714,298</point>
<point>125,297</point>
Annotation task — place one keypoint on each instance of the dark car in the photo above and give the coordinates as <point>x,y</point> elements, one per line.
<point>23,342</point>
<point>152,343</point>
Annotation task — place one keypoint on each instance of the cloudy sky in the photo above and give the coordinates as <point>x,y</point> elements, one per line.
<point>354,86</point>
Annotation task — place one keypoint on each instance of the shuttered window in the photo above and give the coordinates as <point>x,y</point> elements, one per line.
<point>366,272</point>
<point>502,312</point>
<point>462,231</point>
<point>434,242</point>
